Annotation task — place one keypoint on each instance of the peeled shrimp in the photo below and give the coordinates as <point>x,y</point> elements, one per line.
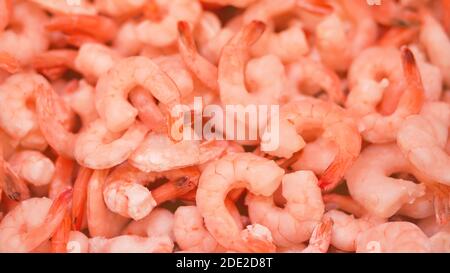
<point>114,86</point>
<point>131,244</point>
<point>259,175</point>
<point>160,222</point>
<point>33,167</point>
<point>32,222</point>
<point>300,116</point>
<point>303,211</point>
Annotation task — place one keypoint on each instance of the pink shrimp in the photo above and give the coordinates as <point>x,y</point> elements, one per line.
<point>82,101</point>
<point>338,127</point>
<point>61,236</point>
<point>33,167</point>
<point>125,192</point>
<point>159,222</point>
<point>10,183</point>
<point>232,66</point>
<point>422,207</point>
<point>436,43</point>
<point>119,8</point>
<point>316,156</point>
<point>65,7</point>
<point>98,148</point>
<point>382,129</point>
<point>164,32</point>
<point>31,39</point>
<point>175,68</point>
<point>79,197</point>
<point>6,7</point>
<point>386,195</point>
<point>393,237</point>
<point>148,111</point>
<point>303,211</point>
<point>104,57</point>
<point>311,77</point>
<point>62,179</point>
<point>190,232</point>
<point>259,175</point>
<point>205,71</point>
<point>440,242</point>
<point>114,86</point>
<point>320,237</point>
<point>32,222</point>
<point>101,221</point>
<point>235,3</point>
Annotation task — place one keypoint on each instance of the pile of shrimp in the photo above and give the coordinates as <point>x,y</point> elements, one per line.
<point>88,162</point>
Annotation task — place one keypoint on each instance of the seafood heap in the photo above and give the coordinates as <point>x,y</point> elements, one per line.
<point>90,160</point>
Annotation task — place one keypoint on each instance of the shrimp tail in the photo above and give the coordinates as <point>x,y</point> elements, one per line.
<point>174,189</point>
<point>334,173</point>
<point>321,236</point>
<point>80,197</point>
<point>318,7</point>
<point>413,98</point>
<point>14,187</point>
<point>52,221</point>
<point>251,33</point>
<point>60,238</point>
<point>345,203</point>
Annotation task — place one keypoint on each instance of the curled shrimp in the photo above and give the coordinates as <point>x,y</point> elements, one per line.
<point>259,175</point>
<point>125,192</point>
<point>131,244</point>
<point>33,167</point>
<point>393,237</point>
<point>31,39</point>
<point>98,148</point>
<point>298,116</point>
<point>159,222</point>
<point>113,87</point>
<point>377,128</point>
<point>316,156</point>
<point>232,67</point>
<point>32,222</point>
<point>372,170</point>
<point>164,32</point>
<point>302,212</point>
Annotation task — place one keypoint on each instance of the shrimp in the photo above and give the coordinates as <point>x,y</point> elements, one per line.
<point>126,41</point>
<point>125,192</point>
<point>370,185</point>
<point>190,232</point>
<point>377,128</point>
<point>77,242</point>
<point>422,139</point>
<point>311,77</point>
<point>10,183</point>
<point>393,237</point>
<point>67,7</point>
<point>235,3</point>
<point>49,105</point>
<point>99,27</point>
<point>79,197</point>
<point>430,226</point>
<point>258,175</point>
<point>131,244</point>
<point>159,153</point>
<point>232,67</point>
<point>316,156</point>
<point>164,32</point>
<point>148,111</point>
<point>98,148</point>
<point>174,67</point>
<point>320,237</point>
<point>159,222</point>
<point>297,117</point>
<point>32,222</point>
<point>61,236</point>
<point>436,43</point>
<point>101,221</point>
<point>113,87</point>
<point>304,209</point>
<point>33,167</point>
<point>31,39</point>
<point>82,101</point>
<point>422,207</point>
<point>205,71</point>
<point>104,57</point>
<point>6,7</point>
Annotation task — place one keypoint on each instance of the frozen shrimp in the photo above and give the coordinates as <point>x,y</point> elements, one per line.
<point>302,212</point>
<point>377,128</point>
<point>232,70</point>
<point>393,237</point>
<point>31,39</point>
<point>260,176</point>
<point>125,192</point>
<point>33,167</point>
<point>32,222</point>
<point>299,116</point>
<point>190,232</point>
<point>159,222</point>
<point>113,87</point>
<point>98,148</point>
<point>101,221</point>
<point>370,184</point>
<point>164,32</point>
<point>436,43</point>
